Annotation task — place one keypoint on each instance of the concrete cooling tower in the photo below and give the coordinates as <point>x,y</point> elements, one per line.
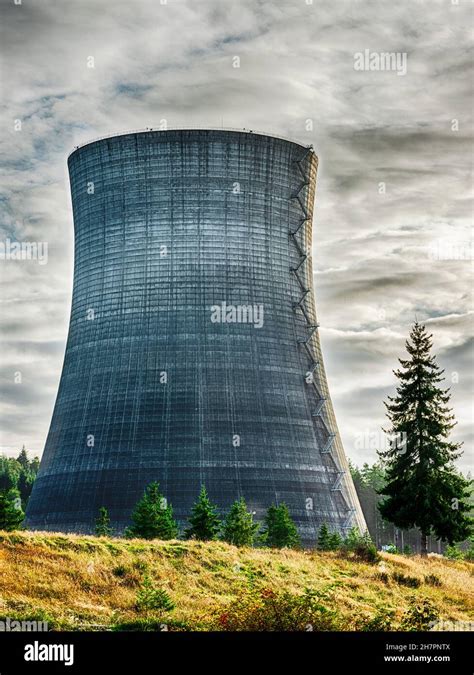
<point>193,355</point>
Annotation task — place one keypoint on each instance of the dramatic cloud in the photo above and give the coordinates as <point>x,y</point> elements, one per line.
<point>392,222</point>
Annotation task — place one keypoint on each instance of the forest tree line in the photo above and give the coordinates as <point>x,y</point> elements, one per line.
<point>369,481</point>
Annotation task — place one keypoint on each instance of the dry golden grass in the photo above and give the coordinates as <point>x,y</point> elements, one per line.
<point>85,582</point>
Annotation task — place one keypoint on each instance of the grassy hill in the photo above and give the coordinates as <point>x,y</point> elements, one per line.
<point>89,583</point>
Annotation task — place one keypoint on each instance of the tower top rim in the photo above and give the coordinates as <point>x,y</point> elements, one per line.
<point>154,130</point>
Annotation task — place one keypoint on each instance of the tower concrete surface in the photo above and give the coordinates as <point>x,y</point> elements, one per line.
<point>193,355</point>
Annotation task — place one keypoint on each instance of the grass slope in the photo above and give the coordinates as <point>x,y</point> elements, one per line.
<point>89,583</point>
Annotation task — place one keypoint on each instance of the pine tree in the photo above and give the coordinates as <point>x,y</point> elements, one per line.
<point>23,459</point>
<point>280,530</point>
<point>239,528</point>
<point>324,538</point>
<point>11,513</point>
<point>152,517</point>
<point>423,488</point>
<point>335,541</point>
<point>205,523</point>
<point>102,524</point>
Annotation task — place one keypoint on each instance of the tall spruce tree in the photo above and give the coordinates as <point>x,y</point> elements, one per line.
<point>205,523</point>
<point>239,528</point>
<point>423,488</point>
<point>280,530</point>
<point>102,524</point>
<point>152,517</point>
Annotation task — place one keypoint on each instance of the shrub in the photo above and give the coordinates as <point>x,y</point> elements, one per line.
<point>381,621</point>
<point>453,553</point>
<point>419,616</point>
<point>367,552</point>
<point>263,609</point>
<point>120,571</point>
<point>383,576</point>
<point>151,598</point>
<point>361,546</point>
<point>432,580</point>
<point>128,575</point>
<point>406,580</point>
<point>390,548</point>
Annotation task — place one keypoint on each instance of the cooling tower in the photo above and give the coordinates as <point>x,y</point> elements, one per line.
<point>193,355</point>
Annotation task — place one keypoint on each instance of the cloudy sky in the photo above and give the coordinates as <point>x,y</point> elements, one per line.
<point>393,211</point>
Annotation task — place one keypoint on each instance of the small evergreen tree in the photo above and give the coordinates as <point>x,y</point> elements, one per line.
<point>324,538</point>
<point>239,528</point>
<point>205,523</point>
<point>102,524</point>
<point>280,530</point>
<point>151,598</point>
<point>327,540</point>
<point>423,488</point>
<point>11,512</point>
<point>352,539</point>
<point>335,541</point>
<point>152,517</point>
